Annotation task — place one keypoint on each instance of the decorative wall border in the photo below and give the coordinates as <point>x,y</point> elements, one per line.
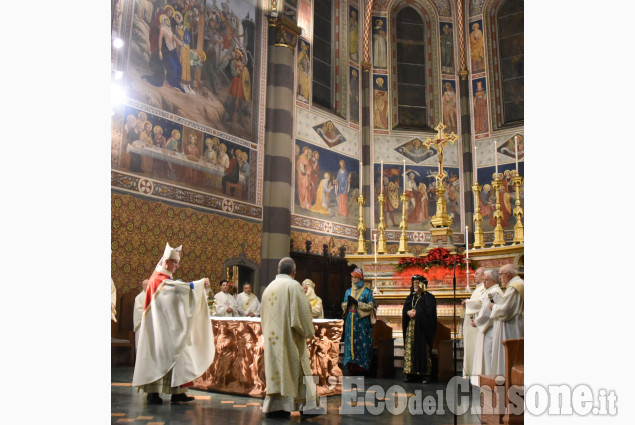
<point>162,191</point>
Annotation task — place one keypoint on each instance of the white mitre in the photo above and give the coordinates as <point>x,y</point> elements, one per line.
<point>170,254</point>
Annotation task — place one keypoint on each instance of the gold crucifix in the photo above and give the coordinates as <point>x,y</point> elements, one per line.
<point>441,217</point>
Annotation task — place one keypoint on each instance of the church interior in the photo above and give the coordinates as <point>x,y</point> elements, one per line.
<point>385,135</point>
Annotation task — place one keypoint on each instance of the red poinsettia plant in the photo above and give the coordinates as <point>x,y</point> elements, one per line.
<point>437,257</point>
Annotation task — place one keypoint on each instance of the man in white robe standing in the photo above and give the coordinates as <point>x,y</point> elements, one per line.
<point>483,347</point>
<point>472,307</point>
<point>286,325</point>
<point>176,341</point>
<point>226,305</point>
<point>248,304</point>
<point>137,313</point>
<point>508,315</point>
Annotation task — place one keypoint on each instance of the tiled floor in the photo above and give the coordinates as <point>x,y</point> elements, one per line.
<point>129,406</point>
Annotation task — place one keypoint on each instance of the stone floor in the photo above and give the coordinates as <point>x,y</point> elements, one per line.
<point>129,406</point>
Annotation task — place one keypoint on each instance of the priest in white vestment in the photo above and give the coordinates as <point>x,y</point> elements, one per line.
<point>508,315</point>
<point>248,304</point>
<point>176,341</point>
<point>137,313</point>
<point>226,305</point>
<point>472,307</point>
<point>286,325</point>
<point>483,348</point>
<point>317,310</point>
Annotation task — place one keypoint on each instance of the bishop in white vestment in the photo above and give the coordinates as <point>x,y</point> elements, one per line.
<point>137,313</point>
<point>483,347</point>
<point>472,308</point>
<point>508,315</point>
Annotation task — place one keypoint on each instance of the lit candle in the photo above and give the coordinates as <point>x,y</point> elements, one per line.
<point>516,140</point>
<point>404,175</point>
<point>495,159</point>
<point>375,244</point>
<point>381,178</point>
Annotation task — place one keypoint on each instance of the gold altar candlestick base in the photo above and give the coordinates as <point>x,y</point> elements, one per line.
<point>381,227</point>
<point>403,225</point>
<point>478,218</point>
<point>361,228</point>
<point>441,217</point>
<point>499,235</point>
<point>519,229</point>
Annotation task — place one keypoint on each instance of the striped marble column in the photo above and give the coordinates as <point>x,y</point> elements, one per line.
<point>366,159</point>
<point>279,149</point>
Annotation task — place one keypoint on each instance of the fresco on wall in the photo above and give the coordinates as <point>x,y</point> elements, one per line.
<point>161,149</point>
<point>380,57</point>
<point>304,18</point>
<point>304,70</point>
<point>487,200</point>
<point>329,133</point>
<point>326,184</point>
<point>353,102</point>
<point>447,48</point>
<point>481,124</point>
<point>477,47</point>
<point>421,191</point>
<point>415,151</point>
<point>448,101</point>
<point>508,148</point>
<point>196,61</point>
<point>380,101</point>
<point>353,37</point>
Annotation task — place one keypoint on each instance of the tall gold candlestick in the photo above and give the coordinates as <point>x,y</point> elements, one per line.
<point>519,230</point>
<point>478,218</point>
<point>403,225</point>
<point>499,235</point>
<point>361,228</point>
<point>381,227</point>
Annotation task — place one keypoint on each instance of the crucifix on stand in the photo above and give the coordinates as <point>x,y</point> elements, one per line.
<point>441,221</point>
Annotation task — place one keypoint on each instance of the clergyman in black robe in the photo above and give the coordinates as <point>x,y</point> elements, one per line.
<point>419,326</point>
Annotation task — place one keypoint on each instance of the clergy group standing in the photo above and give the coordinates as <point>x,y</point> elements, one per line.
<point>226,305</point>
<point>482,364</point>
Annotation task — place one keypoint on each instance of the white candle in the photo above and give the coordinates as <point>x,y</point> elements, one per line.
<point>516,140</point>
<point>495,159</point>
<point>467,245</point>
<point>360,176</point>
<point>381,178</point>
<point>404,175</point>
<point>375,244</point>
<point>475,164</point>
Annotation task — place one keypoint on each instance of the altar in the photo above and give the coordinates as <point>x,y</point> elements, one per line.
<point>238,366</point>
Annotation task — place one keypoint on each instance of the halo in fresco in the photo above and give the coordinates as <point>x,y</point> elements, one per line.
<point>329,133</point>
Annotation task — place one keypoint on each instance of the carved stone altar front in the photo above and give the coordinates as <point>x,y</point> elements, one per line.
<point>239,362</point>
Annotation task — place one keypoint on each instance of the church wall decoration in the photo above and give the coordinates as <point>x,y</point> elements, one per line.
<point>477,47</point>
<point>380,38</point>
<point>353,34</point>
<point>448,101</point>
<point>158,148</point>
<point>326,184</point>
<point>199,63</point>
<point>305,22</point>
<point>446,40</point>
<point>380,101</point>
<point>487,201</point>
<point>480,108</point>
<point>353,84</point>
<point>329,133</point>
<point>304,70</point>
<point>140,229</point>
<point>420,188</point>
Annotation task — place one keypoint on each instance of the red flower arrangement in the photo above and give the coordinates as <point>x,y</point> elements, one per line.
<point>437,257</point>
